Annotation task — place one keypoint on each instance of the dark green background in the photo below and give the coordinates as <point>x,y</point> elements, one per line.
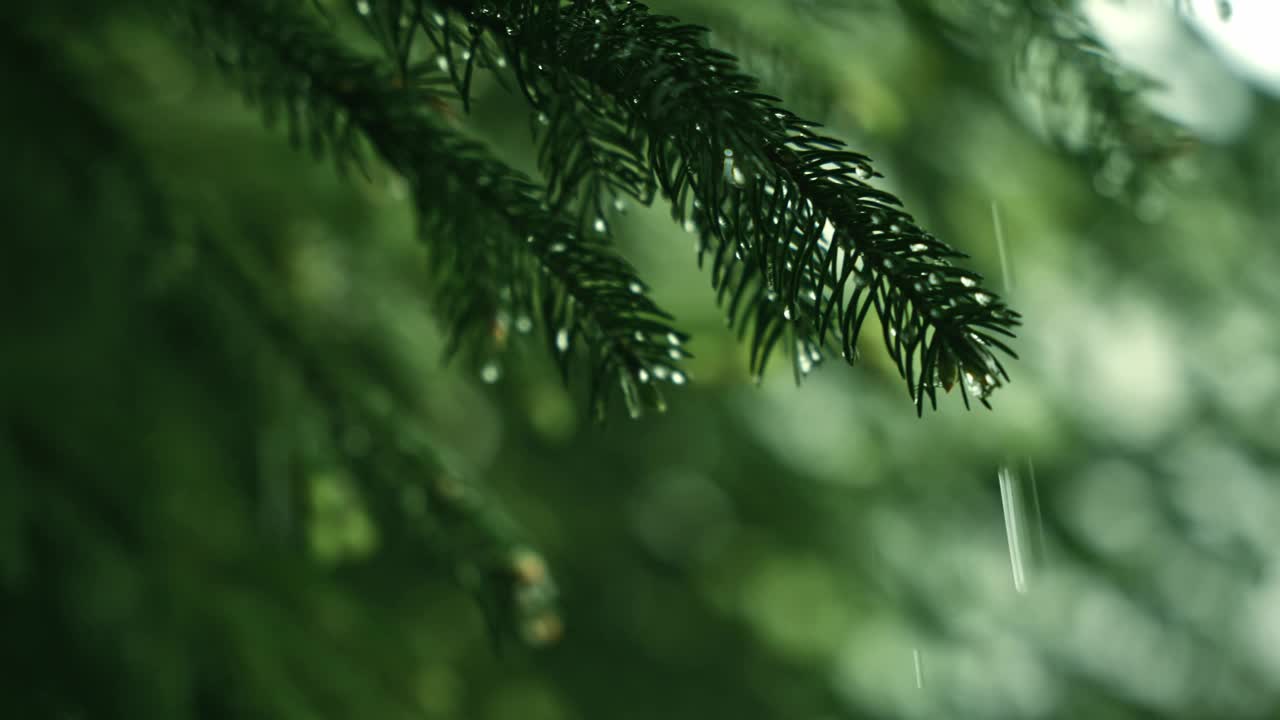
<point>182,536</point>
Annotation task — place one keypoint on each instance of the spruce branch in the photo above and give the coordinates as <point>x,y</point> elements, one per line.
<point>589,153</point>
<point>499,249</point>
<point>801,246</point>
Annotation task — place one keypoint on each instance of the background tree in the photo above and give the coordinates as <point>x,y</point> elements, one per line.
<point>236,479</point>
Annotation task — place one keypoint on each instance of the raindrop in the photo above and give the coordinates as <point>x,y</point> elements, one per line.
<point>1005,271</point>
<point>689,226</point>
<point>501,61</point>
<point>642,375</point>
<point>786,313</point>
<point>490,372</point>
<point>895,228</point>
<point>888,263</point>
<point>529,239</point>
<point>919,665</point>
<point>635,287</point>
<point>362,7</point>
<point>731,172</point>
<point>1013,524</point>
<point>543,119</point>
<point>967,281</point>
<point>600,226</point>
<point>678,378</point>
<point>639,336</point>
<point>466,55</point>
<point>558,247</point>
<point>438,19</point>
<point>619,204</point>
<point>674,354</point>
<point>982,298</point>
<point>524,323</point>
<point>562,340</point>
<point>934,279</point>
<point>919,247</point>
<point>673,338</point>
<point>442,62</point>
<point>662,372</point>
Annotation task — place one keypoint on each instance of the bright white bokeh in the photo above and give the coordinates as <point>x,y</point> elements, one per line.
<point>1245,37</point>
<point>1196,88</point>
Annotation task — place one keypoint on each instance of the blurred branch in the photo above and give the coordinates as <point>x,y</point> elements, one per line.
<point>1086,102</point>
<point>417,497</point>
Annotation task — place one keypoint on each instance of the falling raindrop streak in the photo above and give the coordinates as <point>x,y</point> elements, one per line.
<point>1025,544</point>
<point>1000,246</point>
<point>1012,527</point>
<point>915,657</point>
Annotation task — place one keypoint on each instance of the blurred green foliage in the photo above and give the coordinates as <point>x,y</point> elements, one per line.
<point>223,412</point>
